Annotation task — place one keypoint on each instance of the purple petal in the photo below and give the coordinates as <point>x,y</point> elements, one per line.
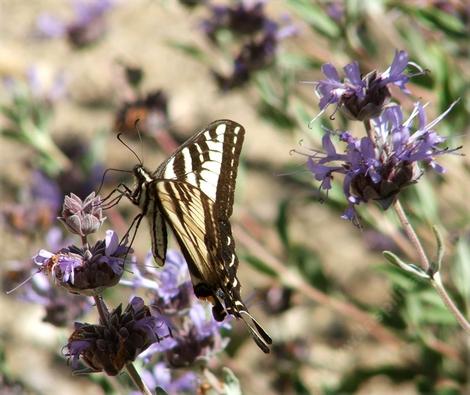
<point>353,73</point>
<point>42,257</point>
<point>49,26</point>
<point>399,63</point>
<point>328,145</point>
<point>437,167</point>
<point>111,242</point>
<point>330,72</point>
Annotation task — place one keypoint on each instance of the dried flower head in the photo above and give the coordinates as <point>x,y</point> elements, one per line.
<point>111,345</point>
<point>362,97</point>
<point>82,217</point>
<point>86,271</point>
<point>378,168</point>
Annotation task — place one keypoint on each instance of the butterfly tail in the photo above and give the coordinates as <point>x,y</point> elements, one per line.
<point>259,335</point>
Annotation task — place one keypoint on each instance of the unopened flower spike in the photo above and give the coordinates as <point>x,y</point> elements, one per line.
<point>82,217</point>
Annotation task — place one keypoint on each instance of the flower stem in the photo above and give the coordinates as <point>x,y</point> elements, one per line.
<point>410,232</point>
<point>136,379</point>
<point>101,307</point>
<point>85,244</point>
<point>369,130</point>
<point>131,370</point>
<point>435,278</point>
<point>439,287</point>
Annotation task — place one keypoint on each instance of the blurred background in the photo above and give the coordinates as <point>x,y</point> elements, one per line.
<point>343,321</point>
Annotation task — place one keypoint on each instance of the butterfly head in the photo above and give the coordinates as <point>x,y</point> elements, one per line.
<point>142,178</point>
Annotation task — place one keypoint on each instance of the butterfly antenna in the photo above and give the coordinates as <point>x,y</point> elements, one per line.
<point>136,125</point>
<point>129,148</point>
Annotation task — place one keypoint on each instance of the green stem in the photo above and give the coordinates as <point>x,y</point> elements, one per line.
<point>136,379</point>
<point>410,232</point>
<point>435,278</point>
<point>439,287</point>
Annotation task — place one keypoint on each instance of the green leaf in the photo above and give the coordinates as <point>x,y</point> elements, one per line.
<point>308,264</point>
<point>259,265</point>
<point>461,270</point>
<point>188,49</point>
<point>275,116</point>
<point>448,23</point>
<point>10,113</point>
<point>315,16</point>
<point>295,61</point>
<point>282,222</point>
<point>399,278</point>
<point>408,267</point>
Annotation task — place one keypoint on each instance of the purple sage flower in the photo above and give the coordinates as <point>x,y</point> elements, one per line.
<point>61,307</point>
<point>87,27</point>
<point>257,54</point>
<point>362,97</point>
<point>86,271</point>
<point>335,10</point>
<point>261,36</point>
<point>377,169</point>
<point>243,18</point>
<point>111,345</point>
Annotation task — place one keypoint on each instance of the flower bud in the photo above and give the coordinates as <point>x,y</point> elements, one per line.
<point>82,217</point>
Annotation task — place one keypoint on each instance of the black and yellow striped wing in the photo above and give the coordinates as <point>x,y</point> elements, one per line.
<point>193,192</point>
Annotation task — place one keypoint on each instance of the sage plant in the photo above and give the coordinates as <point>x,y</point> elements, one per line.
<point>392,154</point>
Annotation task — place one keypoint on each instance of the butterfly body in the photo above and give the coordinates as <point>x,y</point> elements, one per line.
<point>192,192</point>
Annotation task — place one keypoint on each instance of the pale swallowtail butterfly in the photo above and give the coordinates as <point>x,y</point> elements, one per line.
<point>192,192</point>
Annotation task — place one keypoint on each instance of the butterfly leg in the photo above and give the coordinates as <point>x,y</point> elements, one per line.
<point>135,222</point>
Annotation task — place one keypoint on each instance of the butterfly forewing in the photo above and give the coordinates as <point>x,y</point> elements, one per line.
<point>209,161</point>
